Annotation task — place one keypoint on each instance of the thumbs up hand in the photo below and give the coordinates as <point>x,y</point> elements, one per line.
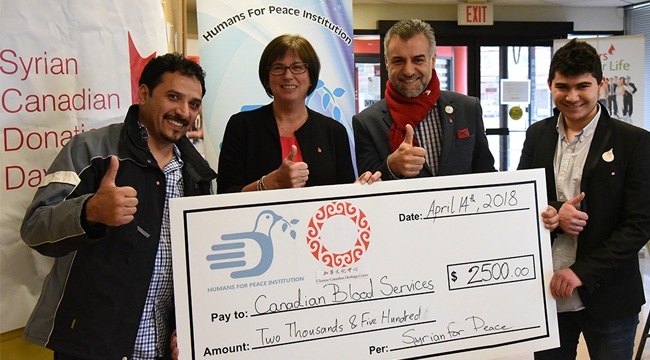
<point>112,205</point>
<point>572,220</point>
<point>550,218</point>
<point>407,160</point>
<point>289,175</point>
<point>408,136</point>
<point>292,153</point>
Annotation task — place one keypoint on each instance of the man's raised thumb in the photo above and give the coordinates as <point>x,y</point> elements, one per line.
<point>408,136</point>
<point>576,200</point>
<point>292,153</point>
<point>111,173</point>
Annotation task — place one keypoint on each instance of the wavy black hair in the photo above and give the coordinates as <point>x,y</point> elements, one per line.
<point>576,58</point>
<point>172,62</point>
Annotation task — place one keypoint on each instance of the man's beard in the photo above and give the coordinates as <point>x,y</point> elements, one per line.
<point>415,89</point>
<point>170,139</point>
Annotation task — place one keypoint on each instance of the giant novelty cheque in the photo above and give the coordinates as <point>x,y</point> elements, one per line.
<point>452,267</point>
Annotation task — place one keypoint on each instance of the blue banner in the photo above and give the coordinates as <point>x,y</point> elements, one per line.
<point>232,36</point>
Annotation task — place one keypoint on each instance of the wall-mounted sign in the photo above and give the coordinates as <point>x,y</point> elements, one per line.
<point>515,91</point>
<point>475,14</point>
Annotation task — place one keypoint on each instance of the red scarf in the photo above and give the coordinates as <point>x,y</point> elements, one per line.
<point>409,110</point>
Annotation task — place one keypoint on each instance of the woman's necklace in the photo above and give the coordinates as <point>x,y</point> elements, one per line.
<point>298,127</point>
<point>287,130</point>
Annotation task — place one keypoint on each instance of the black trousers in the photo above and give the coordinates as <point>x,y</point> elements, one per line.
<point>59,356</point>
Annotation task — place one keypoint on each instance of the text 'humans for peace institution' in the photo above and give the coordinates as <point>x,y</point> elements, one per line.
<point>278,10</point>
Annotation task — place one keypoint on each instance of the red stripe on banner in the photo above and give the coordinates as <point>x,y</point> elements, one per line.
<point>137,64</point>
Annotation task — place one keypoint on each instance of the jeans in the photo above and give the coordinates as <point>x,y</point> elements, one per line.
<point>606,340</point>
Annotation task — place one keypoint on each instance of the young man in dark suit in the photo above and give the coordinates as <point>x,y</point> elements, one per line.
<point>598,184</point>
<point>418,130</point>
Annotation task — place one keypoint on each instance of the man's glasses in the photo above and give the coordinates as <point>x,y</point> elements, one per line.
<point>295,68</point>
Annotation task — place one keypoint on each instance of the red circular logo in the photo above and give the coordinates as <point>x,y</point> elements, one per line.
<point>315,233</point>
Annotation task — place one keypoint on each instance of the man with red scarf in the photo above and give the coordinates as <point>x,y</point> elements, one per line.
<point>418,130</point>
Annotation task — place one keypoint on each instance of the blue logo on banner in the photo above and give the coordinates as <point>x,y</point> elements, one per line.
<point>323,100</point>
<point>226,258</point>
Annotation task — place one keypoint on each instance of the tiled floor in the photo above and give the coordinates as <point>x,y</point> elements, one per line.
<point>644,262</point>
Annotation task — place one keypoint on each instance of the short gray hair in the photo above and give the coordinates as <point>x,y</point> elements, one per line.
<point>407,29</point>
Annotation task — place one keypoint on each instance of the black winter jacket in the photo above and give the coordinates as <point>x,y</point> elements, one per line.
<point>92,300</point>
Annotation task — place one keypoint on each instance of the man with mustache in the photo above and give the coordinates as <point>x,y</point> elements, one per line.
<point>418,130</point>
<point>102,213</point>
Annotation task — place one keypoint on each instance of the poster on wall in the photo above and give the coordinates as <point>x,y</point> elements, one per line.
<point>623,59</point>
<point>232,36</point>
<point>66,67</point>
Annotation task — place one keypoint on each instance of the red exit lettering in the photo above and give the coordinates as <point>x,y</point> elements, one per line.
<point>476,14</point>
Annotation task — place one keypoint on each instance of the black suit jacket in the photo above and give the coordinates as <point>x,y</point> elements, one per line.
<point>462,155</point>
<point>617,201</point>
<point>251,148</point>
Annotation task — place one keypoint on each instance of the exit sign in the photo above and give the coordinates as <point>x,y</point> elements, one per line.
<point>475,14</point>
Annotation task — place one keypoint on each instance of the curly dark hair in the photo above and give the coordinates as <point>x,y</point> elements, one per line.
<point>576,58</point>
<point>281,46</point>
<point>172,62</point>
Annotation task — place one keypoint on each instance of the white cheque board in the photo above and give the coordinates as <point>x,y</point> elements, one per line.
<point>453,267</point>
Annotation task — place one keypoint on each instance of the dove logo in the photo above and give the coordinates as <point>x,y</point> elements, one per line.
<point>230,253</point>
<point>342,214</point>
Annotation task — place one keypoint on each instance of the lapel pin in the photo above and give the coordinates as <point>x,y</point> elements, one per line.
<point>608,156</point>
<point>449,109</point>
<point>319,150</point>
<point>451,120</point>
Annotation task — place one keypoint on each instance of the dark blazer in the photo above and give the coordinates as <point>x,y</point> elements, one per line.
<point>457,156</point>
<point>617,201</point>
<point>251,148</point>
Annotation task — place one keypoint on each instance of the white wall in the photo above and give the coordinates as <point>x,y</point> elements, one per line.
<point>365,17</point>
<point>192,47</point>
<point>584,19</point>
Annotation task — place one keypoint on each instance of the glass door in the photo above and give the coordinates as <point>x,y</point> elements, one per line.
<point>368,89</point>
<point>514,94</point>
